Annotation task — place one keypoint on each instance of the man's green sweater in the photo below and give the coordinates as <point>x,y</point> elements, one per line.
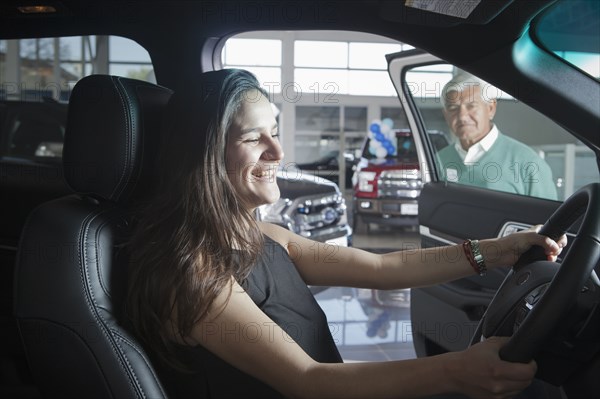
<point>509,165</point>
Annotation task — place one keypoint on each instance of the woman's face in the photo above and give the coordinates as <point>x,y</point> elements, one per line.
<point>253,151</point>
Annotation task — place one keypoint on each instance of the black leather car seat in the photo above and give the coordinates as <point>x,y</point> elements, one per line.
<point>70,278</point>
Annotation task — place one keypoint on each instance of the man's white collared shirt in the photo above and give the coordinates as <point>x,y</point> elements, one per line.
<point>477,150</point>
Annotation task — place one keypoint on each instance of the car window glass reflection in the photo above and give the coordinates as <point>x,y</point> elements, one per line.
<point>497,142</point>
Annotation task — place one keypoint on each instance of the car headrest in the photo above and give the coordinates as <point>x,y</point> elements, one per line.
<point>112,136</point>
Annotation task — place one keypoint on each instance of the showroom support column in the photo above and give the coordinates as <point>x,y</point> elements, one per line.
<point>100,59</point>
<point>11,85</point>
<point>288,105</point>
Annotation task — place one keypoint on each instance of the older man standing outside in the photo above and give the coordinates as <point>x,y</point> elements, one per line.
<point>482,156</point>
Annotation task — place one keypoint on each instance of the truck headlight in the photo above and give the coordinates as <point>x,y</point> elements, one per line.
<point>365,181</point>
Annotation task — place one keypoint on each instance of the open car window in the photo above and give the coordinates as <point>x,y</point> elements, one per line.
<point>329,86</point>
<point>529,155</point>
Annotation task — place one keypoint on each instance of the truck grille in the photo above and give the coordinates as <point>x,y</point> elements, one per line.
<point>399,183</point>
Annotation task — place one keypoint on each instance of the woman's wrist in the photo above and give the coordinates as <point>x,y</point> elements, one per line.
<point>484,255</point>
<point>494,254</point>
<point>475,256</point>
<point>452,364</point>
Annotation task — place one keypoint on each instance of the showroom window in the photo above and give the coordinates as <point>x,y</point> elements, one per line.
<point>262,57</point>
<point>320,66</point>
<point>129,59</point>
<point>353,68</point>
<point>49,67</point>
<point>36,79</point>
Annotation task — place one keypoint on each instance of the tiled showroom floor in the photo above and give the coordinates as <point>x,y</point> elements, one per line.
<point>362,331</point>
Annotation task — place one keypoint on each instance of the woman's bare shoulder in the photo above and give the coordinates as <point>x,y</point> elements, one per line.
<point>277,233</point>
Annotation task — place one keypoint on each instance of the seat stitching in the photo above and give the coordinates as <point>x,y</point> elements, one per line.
<point>129,128</point>
<point>141,353</point>
<point>90,297</point>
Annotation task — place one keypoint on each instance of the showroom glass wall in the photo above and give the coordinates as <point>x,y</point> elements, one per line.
<point>31,69</point>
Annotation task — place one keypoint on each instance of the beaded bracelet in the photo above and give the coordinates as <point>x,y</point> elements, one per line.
<point>474,256</point>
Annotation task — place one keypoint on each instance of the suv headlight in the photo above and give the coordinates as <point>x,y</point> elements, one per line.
<point>275,212</point>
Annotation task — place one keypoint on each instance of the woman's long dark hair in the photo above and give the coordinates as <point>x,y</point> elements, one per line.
<point>182,247</point>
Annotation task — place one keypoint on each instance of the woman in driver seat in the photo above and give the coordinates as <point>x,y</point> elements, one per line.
<point>221,300</point>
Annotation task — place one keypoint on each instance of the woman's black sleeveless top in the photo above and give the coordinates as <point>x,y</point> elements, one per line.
<point>278,290</point>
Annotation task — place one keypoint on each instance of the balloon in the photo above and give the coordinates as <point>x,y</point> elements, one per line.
<point>381,152</point>
<point>382,136</point>
<point>375,128</point>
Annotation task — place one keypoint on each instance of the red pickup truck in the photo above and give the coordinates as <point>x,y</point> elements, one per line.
<point>386,188</point>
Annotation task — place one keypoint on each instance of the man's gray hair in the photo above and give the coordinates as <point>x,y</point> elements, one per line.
<point>464,80</point>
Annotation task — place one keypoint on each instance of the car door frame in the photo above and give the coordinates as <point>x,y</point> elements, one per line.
<point>444,317</point>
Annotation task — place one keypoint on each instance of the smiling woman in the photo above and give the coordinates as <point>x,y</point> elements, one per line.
<point>179,300</point>
<point>211,175</point>
<point>224,295</point>
<point>230,306</point>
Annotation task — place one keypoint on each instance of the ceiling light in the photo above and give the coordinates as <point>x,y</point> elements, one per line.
<point>39,9</point>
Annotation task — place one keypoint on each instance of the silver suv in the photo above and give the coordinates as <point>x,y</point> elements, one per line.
<point>310,206</point>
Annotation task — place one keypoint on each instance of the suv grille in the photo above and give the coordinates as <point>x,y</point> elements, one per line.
<point>317,216</point>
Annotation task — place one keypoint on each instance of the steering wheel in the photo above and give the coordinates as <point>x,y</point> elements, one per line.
<point>536,294</point>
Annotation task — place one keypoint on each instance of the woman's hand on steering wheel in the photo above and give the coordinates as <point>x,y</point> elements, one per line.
<point>505,251</point>
<point>480,373</point>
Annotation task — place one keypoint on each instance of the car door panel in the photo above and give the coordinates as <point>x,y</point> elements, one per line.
<point>454,210</point>
<point>444,317</point>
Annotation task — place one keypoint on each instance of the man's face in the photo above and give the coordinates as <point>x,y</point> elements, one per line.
<point>469,115</point>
